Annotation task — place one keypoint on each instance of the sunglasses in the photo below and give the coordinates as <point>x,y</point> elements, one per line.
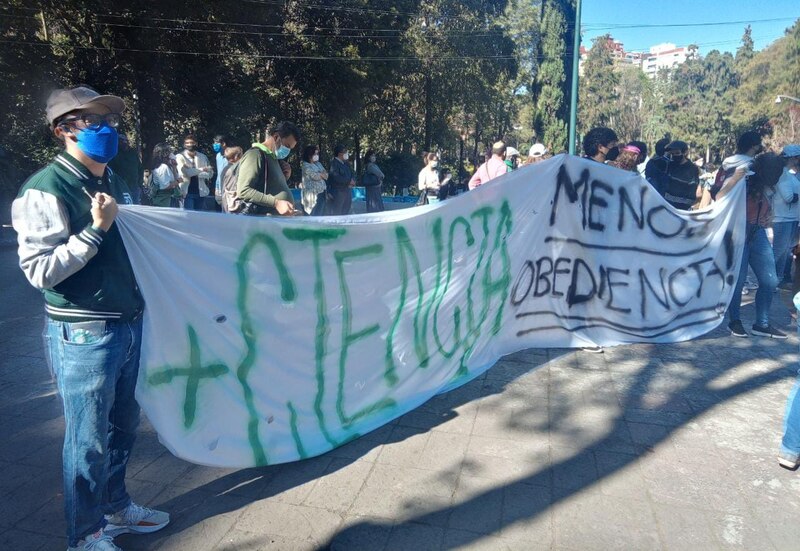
<point>93,121</point>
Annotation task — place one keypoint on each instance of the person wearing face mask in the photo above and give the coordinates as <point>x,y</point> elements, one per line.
<point>682,187</point>
<point>313,183</point>
<point>747,147</point>
<point>495,166</point>
<point>786,209</point>
<point>428,180</point>
<point>261,183</point>
<point>600,144</point>
<point>340,182</point>
<point>71,249</point>
<point>195,172</point>
<point>220,143</point>
<point>373,183</point>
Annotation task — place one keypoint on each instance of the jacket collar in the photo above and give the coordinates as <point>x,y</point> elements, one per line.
<point>265,149</point>
<point>75,169</point>
<point>72,166</point>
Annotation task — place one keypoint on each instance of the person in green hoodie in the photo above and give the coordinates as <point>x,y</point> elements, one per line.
<point>71,249</point>
<point>261,182</point>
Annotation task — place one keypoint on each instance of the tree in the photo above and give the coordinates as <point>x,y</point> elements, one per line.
<point>599,95</point>
<point>552,83</point>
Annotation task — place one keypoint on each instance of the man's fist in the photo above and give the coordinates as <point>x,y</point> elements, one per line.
<point>104,210</point>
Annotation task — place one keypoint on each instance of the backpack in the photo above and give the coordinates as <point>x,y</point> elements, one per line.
<point>230,202</point>
<point>149,187</point>
<point>719,180</point>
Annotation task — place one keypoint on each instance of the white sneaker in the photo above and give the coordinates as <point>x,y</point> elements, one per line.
<point>135,519</point>
<point>99,541</point>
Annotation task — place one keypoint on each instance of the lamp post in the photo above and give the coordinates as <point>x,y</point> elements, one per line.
<point>573,99</point>
<point>781,97</point>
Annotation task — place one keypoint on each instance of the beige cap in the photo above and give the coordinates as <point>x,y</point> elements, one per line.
<point>65,100</point>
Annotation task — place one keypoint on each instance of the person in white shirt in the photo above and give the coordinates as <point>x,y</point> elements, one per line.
<point>195,172</point>
<point>428,180</point>
<point>786,213</point>
<point>165,176</point>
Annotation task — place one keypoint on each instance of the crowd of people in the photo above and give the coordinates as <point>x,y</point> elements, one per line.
<point>70,248</point>
<point>256,181</point>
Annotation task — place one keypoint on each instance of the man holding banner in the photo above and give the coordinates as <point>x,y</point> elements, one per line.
<point>70,249</point>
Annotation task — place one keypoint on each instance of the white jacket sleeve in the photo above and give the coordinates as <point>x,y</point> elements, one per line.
<point>48,254</point>
<point>184,169</point>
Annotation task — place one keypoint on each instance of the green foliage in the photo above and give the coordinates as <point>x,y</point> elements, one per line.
<point>599,94</point>
<point>552,82</point>
<point>403,77</point>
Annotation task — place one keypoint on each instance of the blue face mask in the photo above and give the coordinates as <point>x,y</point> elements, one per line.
<point>217,147</point>
<point>282,152</point>
<point>99,144</point>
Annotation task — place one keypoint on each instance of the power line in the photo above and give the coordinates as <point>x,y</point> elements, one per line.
<point>289,35</point>
<point>467,32</point>
<point>268,56</point>
<point>601,26</point>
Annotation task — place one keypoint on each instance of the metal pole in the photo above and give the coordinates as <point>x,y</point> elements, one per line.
<point>573,99</point>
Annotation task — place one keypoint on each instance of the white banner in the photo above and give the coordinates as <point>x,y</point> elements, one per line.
<point>268,340</point>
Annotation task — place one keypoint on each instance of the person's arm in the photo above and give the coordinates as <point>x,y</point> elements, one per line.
<point>786,189</point>
<point>311,172</point>
<point>372,168</point>
<point>731,181</point>
<point>48,254</point>
<point>184,169</point>
<point>206,170</point>
<point>251,179</point>
<point>337,176</point>
<point>475,181</point>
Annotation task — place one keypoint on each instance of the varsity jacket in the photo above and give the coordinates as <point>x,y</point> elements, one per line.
<point>83,272</point>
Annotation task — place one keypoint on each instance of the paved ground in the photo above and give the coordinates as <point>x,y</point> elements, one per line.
<point>644,447</point>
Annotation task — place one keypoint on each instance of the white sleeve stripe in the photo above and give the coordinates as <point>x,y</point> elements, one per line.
<point>48,254</point>
<point>93,239</point>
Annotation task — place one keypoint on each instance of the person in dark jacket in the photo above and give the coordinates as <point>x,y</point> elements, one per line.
<point>71,249</point>
<point>340,182</point>
<point>681,178</point>
<point>373,183</point>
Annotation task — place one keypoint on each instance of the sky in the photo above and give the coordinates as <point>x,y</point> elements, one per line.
<point>600,17</point>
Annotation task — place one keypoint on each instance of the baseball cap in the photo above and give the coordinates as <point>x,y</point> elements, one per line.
<point>64,100</point>
<point>791,150</point>
<point>537,150</point>
<point>511,151</point>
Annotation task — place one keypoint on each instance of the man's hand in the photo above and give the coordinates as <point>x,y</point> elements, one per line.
<point>104,210</point>
<point>286,168</point>
<point>284,207</point>
<point>352,183</point>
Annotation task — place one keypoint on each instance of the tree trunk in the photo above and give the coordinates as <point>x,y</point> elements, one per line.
<point>151,111</point>
<point>428,111</point>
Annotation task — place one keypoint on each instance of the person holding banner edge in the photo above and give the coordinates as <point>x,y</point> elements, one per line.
<point>761,178</point>
<point>70,249</point>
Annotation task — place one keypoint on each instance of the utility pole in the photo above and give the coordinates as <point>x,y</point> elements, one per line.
<point>573,99</point>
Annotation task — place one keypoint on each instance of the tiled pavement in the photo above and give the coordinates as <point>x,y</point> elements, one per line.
<point>644,447</point>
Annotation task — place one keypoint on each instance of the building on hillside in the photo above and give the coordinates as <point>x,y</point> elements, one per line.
<point>663,56</point>
<point>660,56</point>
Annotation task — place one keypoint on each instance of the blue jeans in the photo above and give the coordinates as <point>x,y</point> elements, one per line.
<point>758,254</point>
<point>97,381</point>
<point>790,444</point>
<point>784,237</point>
<point>196,202</point>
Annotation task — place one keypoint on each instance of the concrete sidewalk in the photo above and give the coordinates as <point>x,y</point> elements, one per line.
<point>643,447</point>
